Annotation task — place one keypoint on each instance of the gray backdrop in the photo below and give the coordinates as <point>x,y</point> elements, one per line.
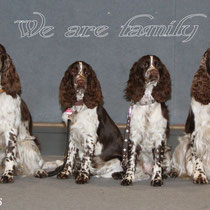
<point>41,62</point>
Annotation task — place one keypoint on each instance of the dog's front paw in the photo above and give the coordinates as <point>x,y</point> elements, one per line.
<point>7,178</point>
<point>200,179</point>
<point>41,174</point>
<point>126,182</point>
<point>157,182</point>
<point>82,178</point>
<point>63,175</point>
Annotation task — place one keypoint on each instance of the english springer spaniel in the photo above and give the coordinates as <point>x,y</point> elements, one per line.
<point>192,155</point>
<point>19,152</point>
<point>95,142</point>
<point>148,87</point>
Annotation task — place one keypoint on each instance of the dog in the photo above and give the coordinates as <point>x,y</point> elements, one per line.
<point>95,142</point>
<point>19,149</point>
<point>148,88</point>
<point>192,155</point>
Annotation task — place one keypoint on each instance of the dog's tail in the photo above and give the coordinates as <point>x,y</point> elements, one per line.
<point>56,171</point>
<point>59,168</point>
<point>56,165</point>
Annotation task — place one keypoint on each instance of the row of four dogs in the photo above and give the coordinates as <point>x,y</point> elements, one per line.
<point>95,145</point>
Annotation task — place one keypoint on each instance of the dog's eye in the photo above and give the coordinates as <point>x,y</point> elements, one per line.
<point>86,71</point>
<point>157,64</point>
<point>74,71</point>
<point>146,65</point>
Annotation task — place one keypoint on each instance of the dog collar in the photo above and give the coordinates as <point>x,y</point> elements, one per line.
<point>69,111</point>
<point>144,103</point>
<point>79,103</point>
<point>1,90</point>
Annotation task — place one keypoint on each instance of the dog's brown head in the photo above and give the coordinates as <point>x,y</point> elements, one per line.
<point>80,77</point>
<point>201,82</point>
<point>148,69</point>
<point>9,79</point>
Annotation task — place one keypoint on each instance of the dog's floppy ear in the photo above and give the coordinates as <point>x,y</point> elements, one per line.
<point>190,122</point>
<point>2,49</point>
<point>93,94</point>
<point>67,93</point>
<point>207,54</point>
<point>201,82</point>
<point>135,84</point>
<point>162,91</point>
<point>10,81</point>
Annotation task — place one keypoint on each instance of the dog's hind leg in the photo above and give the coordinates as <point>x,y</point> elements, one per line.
<point>30,160</point>
<point>106,169</point>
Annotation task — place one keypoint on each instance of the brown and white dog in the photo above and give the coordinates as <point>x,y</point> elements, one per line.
<point>192,155</point>
<point>19,152</point>
<point>95,142</point>
<point>148,87</point>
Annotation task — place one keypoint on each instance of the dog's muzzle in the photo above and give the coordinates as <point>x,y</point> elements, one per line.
<point>152,75</point>
<point>80,82</point>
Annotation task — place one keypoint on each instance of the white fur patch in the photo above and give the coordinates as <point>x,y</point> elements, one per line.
<point>83,124</point>
<point>98,148</point>
<point>147,98</point>
<point>202,133</point>
<point>80,68</point>
<point>151,61</point>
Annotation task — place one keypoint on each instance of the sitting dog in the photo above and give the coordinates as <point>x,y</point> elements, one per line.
<point>148,87</point>
<point>19,152</point>
<point>95,142</point>
<point>192,155</point>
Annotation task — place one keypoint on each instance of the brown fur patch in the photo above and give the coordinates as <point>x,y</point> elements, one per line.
<point>201,83</point>
<point>9,80</point>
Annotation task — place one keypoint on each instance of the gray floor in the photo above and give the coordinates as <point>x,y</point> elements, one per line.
<point>29,193</point>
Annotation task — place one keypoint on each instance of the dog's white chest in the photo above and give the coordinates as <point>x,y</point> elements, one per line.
<point>10,114</point>
<point>201,114</point>
<point>147,122</point>
<point>84,126</point>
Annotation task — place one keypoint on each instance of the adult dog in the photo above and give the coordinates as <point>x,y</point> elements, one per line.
<point>95,142</point>
<point>19,152</point>
<point>148,87</point>
<point>192,155</point>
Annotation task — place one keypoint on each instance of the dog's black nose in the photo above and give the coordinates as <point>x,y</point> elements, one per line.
<point>153,75</point>
<point>80,83</point>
